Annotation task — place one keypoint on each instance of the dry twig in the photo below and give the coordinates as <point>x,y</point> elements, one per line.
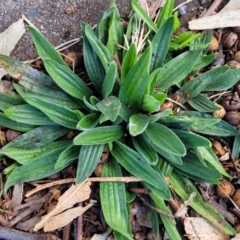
<point>212,8</point>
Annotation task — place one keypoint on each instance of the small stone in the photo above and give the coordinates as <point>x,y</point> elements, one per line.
<point>69,10</point>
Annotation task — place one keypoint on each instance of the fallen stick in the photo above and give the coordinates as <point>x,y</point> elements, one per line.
<point>10,234</point>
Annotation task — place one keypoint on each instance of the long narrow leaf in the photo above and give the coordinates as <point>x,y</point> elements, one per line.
<point>224,81</point>
<point>189,165</point>
<point>113,200</point>
<point>177,69</point>
<point>60,98</point>
<point>93,65</point>
<point>135,83</point>
<point>202,104</point>
<point>169,224</point>
<point>109,80</point>
<point>184,188</point>
<point>67,80</point>
<point>194,87</point>
<point>145,149</point>
<point>8,123</point>
<point>44,47</point>
<point>160,44</point>
<point>61,115</point>
<point>15,67</point>
<point>192,140</point>
<point>165,139</point>
<point>99,135</point>
<point>128,61</point>
<point>27,114</point>
<point>142,14</point>
<point>70,154</point>
<point>88,159</point>
<point>37,137</point>
<point>138,166</point>
<point>236,147</point>
<point>33,171</point>
<point>25,156</point>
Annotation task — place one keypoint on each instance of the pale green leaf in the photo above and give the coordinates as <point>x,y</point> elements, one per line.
<point>110,107</point>
<point>99,135</point>
<point>137,124</point>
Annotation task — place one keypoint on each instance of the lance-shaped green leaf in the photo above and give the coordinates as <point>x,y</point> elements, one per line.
<point>4,105</point>
<point>24,156</point>
<point>177,69</point>
<point>202,104</point>
<point>165,139</point>
<point>184,188</point>
<point>8,123</point>
<point>99,135</point>
<point>34,171</point>
<point>102,52</point>
<point>37,137</point>
<point>224,81</point>
<point>25,71</point>
<point>208,154</point>
<point>145,149</point>
<point>236,147</point>
<point>110,107</point>
<point>194,87</point>
<point>203,61</point>
<point>89,121</point>
<point>150,104</point>
<point>109,80</point>
<point>165,12</point>
<point>88,159</point>
<point>135,83</point>
<point>169,223</point>
<point>169,157</point>
<point>103,24</point>
<point>138,166</point>
<point>113,200</point>
<point>137,124</point>
<point>67,80</point>
<point>190,163</point>
<point>200,120</point>
<point>192,140</point>
<point>60,98</point>
<point>160,44</point>
<point>129,60</point>
<point>221,128</point>
<point>143,15</point>
<point>115,32</point>
<point>68,155</point>
<point>93,65</point>
<point>11,99</point>
<point>44,47</point>
<point>28,114</point>
<point>61,115</point>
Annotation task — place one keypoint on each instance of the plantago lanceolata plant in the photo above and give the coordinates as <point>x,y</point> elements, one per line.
<point>132,73</point>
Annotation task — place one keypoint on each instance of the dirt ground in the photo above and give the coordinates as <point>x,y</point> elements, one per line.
<point>52,18</point>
